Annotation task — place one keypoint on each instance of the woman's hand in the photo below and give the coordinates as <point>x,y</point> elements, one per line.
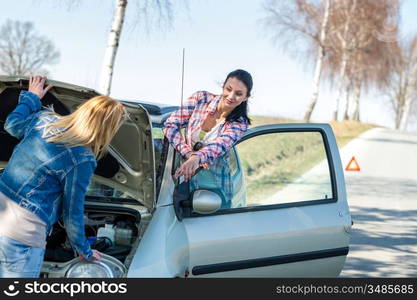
<point>36,86</point>
<point>96,254</point>
<point>188,168</point>
<point>188,155</point>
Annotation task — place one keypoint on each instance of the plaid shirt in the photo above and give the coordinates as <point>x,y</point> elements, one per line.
<point>192,115</point>
<point>217,176</point>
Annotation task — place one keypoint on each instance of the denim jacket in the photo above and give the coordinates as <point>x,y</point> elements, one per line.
<point>48,179</point>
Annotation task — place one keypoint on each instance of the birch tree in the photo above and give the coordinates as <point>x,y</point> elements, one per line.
<point>147,14</point>
<point>372,66</point>
<point>356,50</point>
<point>321,42</point>
<point>112,47</point>
<point>306,22</point>
<point>369,66</point>
<point>23,51</point>
<point>402,87</point>
<point>346,12</point>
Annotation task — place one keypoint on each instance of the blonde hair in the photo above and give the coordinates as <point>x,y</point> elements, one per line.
<point>93,125</point>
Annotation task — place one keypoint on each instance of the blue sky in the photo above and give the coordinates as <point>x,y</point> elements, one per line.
<point>219,36</point>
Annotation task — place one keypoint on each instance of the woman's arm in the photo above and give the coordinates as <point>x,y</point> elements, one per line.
<point>179,119</point>
<point>230,135</point>
<point>29,103</point>
<point>209,153</point>
<point>75,188</point>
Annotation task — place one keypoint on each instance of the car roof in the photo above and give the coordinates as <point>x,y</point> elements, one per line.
<point>158,112</point>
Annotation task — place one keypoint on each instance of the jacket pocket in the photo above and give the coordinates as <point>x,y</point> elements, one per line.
<point>41,180</point>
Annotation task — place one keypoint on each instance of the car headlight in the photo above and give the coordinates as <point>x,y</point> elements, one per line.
<point>106,267</point>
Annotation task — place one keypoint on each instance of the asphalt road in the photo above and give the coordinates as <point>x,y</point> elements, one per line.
<point>383,203</point>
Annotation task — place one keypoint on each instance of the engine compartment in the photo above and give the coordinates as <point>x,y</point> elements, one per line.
<point>98,224</point>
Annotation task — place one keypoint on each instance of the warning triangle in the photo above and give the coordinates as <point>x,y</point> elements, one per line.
<point>353,165</point>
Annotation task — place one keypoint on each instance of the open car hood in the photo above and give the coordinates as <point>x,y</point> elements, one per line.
<point>129,165</point>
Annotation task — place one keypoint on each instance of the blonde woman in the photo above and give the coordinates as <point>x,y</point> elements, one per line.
<point>48,175</point>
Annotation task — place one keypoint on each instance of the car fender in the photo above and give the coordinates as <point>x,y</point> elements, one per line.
<point>163,250</point>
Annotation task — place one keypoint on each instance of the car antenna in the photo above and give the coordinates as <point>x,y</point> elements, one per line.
<point>182,85</point>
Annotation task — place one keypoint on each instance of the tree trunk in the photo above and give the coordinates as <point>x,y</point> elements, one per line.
<point>411,84</point>
<point>345,57</point>
<point>400,105</point>
<point>405,114</point>
<point>404,98</point>
<point>319,63</point>
<point>112,46</point>
<point>347,98</point>
<point>340,88</point>
<point>356,100</point>
<point>398,116</point>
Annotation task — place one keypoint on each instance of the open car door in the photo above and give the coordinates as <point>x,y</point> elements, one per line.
<point>288,216</point>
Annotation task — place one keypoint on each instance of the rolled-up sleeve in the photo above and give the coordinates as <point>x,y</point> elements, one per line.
<point>231,133</point>
<point>20,117</point>
<point>179,119</point>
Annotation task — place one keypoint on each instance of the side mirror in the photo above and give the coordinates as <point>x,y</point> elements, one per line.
<point>206,202</point>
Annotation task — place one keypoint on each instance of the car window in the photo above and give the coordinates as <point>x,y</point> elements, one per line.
<point>270,169</point>
<point>224,177</point>
<point>285,167</point>
<point>158,138</point>
<point>233,163</point>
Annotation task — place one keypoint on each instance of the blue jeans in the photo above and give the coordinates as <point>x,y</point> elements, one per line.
<point>18,260</point>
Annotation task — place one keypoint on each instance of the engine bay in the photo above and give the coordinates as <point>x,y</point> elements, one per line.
<point>110,233</point>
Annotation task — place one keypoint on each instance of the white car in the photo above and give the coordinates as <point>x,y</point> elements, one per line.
<point>288,216</point>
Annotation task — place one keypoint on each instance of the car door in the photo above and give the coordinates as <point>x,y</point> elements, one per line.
<point>294,220</point>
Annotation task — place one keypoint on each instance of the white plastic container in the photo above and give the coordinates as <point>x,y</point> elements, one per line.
<point>106,231</point>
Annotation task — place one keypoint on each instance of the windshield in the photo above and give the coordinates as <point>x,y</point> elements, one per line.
<point>158,139</point>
